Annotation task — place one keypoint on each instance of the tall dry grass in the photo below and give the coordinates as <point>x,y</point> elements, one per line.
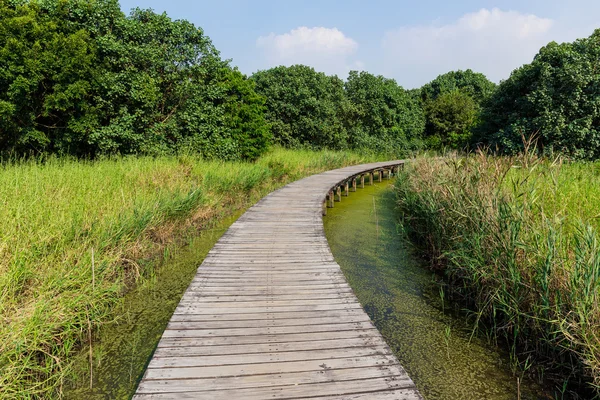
<point>517,239</point>
<point>74,236</point>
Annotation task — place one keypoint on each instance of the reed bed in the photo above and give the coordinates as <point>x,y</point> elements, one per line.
<point>517,240</point>
<point>75,236</point>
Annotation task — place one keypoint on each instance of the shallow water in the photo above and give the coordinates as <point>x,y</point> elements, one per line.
<point>122,350</point>
<point>404,302</point>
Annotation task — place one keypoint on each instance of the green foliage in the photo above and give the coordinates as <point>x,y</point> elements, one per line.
<point>556,98</point>
<point>48,67</point>
<point>385,116</point>
<point>306,108</point>
<point>518,240</point>
<point>83,79</point>
<point>452,104</point>
<point>474,84</point>
<point>450,117</point>
<point>123,209</point>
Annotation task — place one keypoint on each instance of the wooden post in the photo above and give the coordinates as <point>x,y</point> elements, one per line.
<point>389,173</point>
<point>325,206</point>
<point>339,193</point>
<point>346,189</point>
<point>371,178</point>
<point>362,181</point>
<point>330,198</point>
<point>380,176</point>
<point>354,184</point>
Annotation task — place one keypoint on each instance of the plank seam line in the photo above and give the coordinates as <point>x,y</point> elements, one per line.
<point>263,334</point>
<point>268,373</point>
<point>243,344</point>
<point>333,369</point>
<point>250,327</point>
<point>380,354</point>
<point>363,346</point>
<point>276,312</point>
<point>391,377</point>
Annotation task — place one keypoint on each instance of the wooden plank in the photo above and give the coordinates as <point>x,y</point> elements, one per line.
<point>199,310</point>
<point>292,378</point>
<point>298,315</point>
<point>270,315</point>
<point>267,357</point>
<point>219,298</point>
<point>263,348</point>
<point>358,386</point>
<point>267,368</point>
<point>266,330</point>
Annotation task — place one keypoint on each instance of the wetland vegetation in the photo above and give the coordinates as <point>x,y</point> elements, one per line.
<point>516,239</point>
<point>76,236</point>
<point>427,333</point>
<point>124,136</point>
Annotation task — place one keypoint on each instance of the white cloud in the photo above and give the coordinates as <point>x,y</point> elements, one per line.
<point>494,42</point>
<point>326,49</point>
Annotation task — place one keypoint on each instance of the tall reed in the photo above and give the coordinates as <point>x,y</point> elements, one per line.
<point>517,238</point>
<point>74,236</point>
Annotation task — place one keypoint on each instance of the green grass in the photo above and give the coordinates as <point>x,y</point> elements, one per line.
<point>518,241</point>
<point>75,236</point>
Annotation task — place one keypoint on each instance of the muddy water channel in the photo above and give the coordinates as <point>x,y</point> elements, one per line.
<point>403,300</point>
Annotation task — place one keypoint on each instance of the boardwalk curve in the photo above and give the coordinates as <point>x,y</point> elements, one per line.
<point>269,314</point>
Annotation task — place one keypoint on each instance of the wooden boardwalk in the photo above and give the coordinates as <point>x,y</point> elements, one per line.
<point>269,314</point>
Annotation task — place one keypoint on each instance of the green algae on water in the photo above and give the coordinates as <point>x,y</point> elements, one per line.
<point>435,347</point>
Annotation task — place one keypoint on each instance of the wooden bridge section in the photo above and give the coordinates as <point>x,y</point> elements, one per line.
<point>270,315</point>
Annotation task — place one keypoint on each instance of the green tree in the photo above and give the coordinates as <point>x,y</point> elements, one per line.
<point>452,103</point>
<point>84,79</point>
<point>474,84</point>
<point>46,78</point>
<point>305,107</point>
<point>385,116</point>
<point>556,98</point>
<point>450,118</point>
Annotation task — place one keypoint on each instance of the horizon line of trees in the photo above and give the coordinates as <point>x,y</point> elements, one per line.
<point>81,78</point>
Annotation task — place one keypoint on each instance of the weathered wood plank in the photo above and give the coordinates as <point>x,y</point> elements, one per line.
<point>266,368</point>
<point>267,357</point>
<point>359,386</point>
<point>292,378</point>
<point>264,339</point>
<point>263,348</point>
<point>269,315</point>
<point>298,315</point>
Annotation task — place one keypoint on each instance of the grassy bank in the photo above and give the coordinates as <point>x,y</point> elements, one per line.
<point>517,239</point>
<point>76,235</point>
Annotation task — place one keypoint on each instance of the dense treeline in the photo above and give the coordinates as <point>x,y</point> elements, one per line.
<point>452,104</point>
<point>556,99</point>
<point>79,77</point>
<point>310,109</point>
<point>82,78</point>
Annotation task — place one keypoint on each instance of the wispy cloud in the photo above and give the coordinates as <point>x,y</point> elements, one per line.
<point>490,41</point>
<point>326,49</point>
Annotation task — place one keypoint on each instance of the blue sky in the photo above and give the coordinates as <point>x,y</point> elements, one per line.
<point>410,41</point>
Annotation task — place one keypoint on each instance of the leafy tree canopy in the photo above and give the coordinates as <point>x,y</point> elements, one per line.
<point>474,84</point>
<point>450,118</point>
<point>452,104</point>
<point>305,107</point>
<point>82,78</point>
<point>556,98</point>
<point>385,116</point>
